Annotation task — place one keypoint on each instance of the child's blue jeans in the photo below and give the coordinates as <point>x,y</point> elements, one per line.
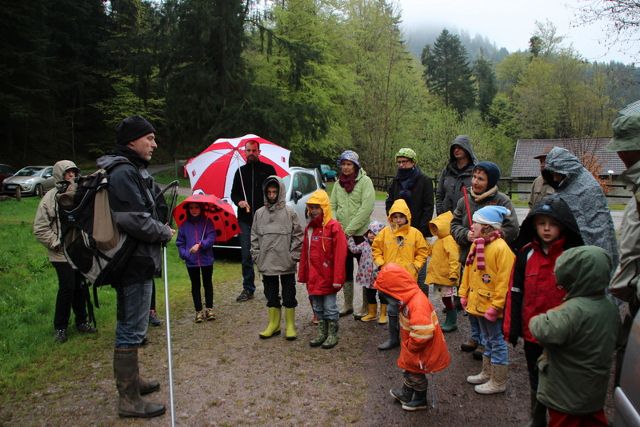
<point>325,306</point>
<point>495,346</point>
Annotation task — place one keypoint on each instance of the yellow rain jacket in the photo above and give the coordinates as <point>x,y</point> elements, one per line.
<point>402,245</point>
<point>444,266</point>
<point>488,287</point>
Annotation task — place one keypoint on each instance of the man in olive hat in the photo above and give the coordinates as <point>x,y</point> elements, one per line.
<point>624,285</point>
<point>540,189</point>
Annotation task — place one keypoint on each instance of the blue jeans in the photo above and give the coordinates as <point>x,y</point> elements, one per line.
<point>325,306</point>
<point>248,275</point>
<point>133,302</point>
<point>476,332</point>
<point>495,346</point>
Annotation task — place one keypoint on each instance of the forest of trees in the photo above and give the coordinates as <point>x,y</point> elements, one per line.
<point>315,76</point>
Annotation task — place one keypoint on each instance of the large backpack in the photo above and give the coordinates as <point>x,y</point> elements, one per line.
<point>91,240</point>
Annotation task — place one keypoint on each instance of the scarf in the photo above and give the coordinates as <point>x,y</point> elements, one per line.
<point>479,197</point>
<point>348,181</point>
<point>478,249</point>
<point>407,179</point>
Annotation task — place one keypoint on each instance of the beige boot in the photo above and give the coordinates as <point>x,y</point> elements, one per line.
<point>372,313</point>
<point>383,314</point>
<point>484,375</point>
<point>497,383</point>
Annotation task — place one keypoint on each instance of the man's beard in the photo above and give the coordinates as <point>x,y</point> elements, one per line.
<point>252,158</point>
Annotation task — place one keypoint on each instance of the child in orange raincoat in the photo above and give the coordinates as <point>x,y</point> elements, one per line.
<point>423,349</point>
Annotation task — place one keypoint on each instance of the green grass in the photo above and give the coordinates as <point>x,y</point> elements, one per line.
<point>29,357</point>
<point>168,176</point>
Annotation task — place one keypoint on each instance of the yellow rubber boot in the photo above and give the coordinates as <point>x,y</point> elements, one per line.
<point>383,314</point>
<point>290,322</point>
<point>371,314</point>
<point>273,328</point>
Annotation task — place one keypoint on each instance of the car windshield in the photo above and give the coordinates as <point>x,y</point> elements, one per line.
<point>29,171</point>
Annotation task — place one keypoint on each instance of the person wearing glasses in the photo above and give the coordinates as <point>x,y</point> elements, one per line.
<point>416,189</point>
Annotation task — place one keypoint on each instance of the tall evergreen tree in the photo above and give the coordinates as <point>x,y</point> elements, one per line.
<point>447,72</point>
<point>486,86</point>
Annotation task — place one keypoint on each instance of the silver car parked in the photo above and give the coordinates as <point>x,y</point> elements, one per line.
<point>32,180</point>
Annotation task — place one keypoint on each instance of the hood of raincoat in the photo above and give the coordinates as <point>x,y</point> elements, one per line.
<point>583,271</point>
<point>560,160</point>
<point>61,167</point>
<point>375,227</point>
<point>397,282</point>
<point>400,206</point>
<point>280,201</point>
<point>320,197</point>
<point>552,206</point>
<point>440,226</point>
<point>462,141</point>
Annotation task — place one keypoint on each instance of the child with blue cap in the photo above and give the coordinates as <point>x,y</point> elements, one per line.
<point>483,293</point>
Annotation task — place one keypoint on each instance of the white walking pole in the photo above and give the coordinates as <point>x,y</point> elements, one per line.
<point>168,327</point>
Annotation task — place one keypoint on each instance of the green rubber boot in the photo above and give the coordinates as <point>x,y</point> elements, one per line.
<point>290,322</point>
<point>273,328</point>
<point>322,334</point>
<point>451,322</point>
<point>332,335</point>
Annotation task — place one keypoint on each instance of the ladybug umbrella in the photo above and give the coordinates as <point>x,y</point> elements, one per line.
<point>212,170</point>
<point>217,210</point>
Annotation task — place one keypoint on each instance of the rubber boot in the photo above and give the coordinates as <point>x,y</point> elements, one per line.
<point>403,394</point>
<point>451,322</point>
<point>322,334</point>
<point>383,314</point>
<point>273,328</point>
<point>484,375</point>
<point>147,386</point>
<point>497,383</point>
<point>290,323</point>
<point>332,334</point>
<point>372,313</point>
<point>126,372</point>
<point>538,413</point>
<point>394,335</point>
<point>347,291</point>
<point>363,307</point>
<point>418,403</point>
<point>469,346</point>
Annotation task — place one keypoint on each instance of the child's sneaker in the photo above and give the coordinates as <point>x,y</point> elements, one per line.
<point>86,328</point>
<point>208,313</point>
<point>154,320</point>
<point>199,316</point>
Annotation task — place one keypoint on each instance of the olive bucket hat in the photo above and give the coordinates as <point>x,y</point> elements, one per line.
<point>626,134</point>
<point>408,153</point>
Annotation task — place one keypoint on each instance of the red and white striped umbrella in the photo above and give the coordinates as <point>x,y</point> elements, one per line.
<point>212,170</point>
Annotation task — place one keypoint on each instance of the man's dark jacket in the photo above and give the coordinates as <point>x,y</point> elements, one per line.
<point>420,204</point>
<point>253,176</point>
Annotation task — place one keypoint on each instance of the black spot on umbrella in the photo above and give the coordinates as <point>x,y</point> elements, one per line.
<point>233,227</point>
<point>216,218</point>
<point>226,214</point>
<point>181,217</point>
<point>226,223</point>
<point>218,233</point>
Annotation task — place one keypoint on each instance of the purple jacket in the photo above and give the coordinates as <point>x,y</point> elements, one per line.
<point>192,231</point>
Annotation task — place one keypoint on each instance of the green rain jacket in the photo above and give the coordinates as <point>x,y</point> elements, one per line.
<point>353,210</point>
<point>578,336</point>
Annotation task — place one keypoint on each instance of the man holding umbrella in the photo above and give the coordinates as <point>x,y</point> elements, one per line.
<point>247,194</point>
<point>132,194</point>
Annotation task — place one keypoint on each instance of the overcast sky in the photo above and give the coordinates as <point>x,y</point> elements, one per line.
<point>510,23</point>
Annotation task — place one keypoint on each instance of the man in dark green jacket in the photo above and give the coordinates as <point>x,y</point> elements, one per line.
<point>579,339</point>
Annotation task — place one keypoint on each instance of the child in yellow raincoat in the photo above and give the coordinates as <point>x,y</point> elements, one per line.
<point>401,244</point>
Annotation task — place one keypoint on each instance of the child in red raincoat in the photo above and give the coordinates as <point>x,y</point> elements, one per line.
<point>423,349</point>
<point>322,267</point>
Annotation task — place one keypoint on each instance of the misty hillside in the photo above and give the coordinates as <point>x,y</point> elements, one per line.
<point>476,46</point>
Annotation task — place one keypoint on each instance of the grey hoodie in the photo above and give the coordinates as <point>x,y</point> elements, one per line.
<point>586,199</point>
<point>452,179</point>
<point>276,234</point>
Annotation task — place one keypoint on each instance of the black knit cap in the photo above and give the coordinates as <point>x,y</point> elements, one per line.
<point>493,173</point>
<point>132,128</point>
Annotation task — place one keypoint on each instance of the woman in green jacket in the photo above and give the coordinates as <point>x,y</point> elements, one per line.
<point>352,200</point>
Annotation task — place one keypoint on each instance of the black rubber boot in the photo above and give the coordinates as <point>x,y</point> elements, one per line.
<point>125,370</point>
<point>394,334</point>
<point>418,403</point>
<point>403,394</point>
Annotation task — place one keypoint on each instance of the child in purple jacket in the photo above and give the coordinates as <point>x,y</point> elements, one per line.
<point>195,241</point>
